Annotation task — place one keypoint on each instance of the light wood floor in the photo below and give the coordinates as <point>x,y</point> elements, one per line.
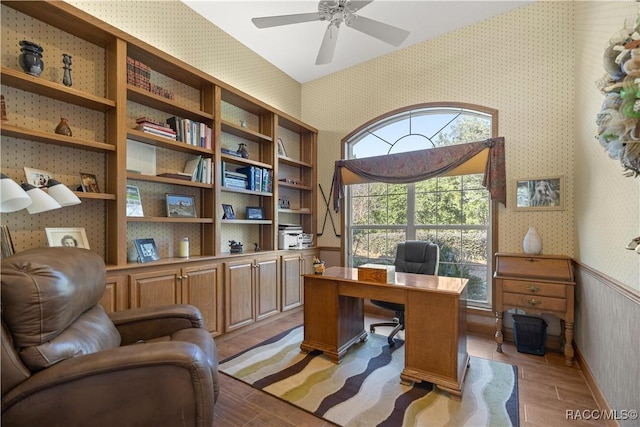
<point>547,388</point>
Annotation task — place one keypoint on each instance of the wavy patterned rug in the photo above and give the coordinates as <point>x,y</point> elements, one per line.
<point>365,390</point>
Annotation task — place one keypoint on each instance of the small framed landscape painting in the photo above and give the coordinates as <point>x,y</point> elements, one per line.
<point>540,193</point>
<point>180,206</point>
<point>255,212</point>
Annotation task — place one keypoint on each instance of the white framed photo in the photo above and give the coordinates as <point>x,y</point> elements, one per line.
<point>134,203</point>
<point>36,177</point>
<point>75,237</point>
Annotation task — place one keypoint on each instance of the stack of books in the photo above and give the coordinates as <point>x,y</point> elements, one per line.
<point>258,179</point>
<point>200,169</point>
<point>139,75</point>
<point>147,125</point>
<point>235,180</point>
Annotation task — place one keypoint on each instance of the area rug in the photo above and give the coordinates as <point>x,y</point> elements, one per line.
<point>365,390</point>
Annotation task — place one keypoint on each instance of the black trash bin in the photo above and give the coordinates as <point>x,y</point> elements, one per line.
<point>530,334</point>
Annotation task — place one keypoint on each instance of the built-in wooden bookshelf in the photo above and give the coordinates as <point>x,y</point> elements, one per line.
<point>103,107</point>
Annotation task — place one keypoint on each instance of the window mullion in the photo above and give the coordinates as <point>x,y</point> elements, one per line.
<point>411,211</point>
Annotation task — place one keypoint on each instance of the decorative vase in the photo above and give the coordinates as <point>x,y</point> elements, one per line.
<point>31,58</point>
<point>532,244</point>
<point>66,79</point>
<point>63,128</point>
<point>242,149</point>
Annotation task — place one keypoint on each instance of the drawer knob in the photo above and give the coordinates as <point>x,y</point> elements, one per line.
<point>534,302</point>
<point>533,288</point>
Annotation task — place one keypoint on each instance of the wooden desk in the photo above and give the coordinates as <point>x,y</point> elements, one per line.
<point>435,321</point>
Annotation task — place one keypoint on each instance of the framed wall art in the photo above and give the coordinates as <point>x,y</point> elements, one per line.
<point>180,206</point>
<point>75,237</point>
<point>545,193</point>
<point>281,150</point>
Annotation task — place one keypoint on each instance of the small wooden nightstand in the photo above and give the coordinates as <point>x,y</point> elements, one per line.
<point>536,284</point>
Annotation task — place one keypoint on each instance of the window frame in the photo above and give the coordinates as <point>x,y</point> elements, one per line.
<point>493,206</point>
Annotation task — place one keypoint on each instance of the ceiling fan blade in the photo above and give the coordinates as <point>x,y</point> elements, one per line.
<point>385,32</point>
<point>328,46</point>
<point>275,21</point>
<point>358,4</point>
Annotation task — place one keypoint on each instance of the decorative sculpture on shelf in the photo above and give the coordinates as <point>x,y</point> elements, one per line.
<point>619,118</point>
<point>235,247</point>
<point>63,128</point>
<point>31,58</point>
<point>66,79</point>
<point>242,150</point>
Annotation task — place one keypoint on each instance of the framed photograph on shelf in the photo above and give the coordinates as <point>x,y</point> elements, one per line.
<point>36,177</point>
<point>255,212</point>
<point>89,183</point>
<point>147,250</point>
<point>180,206</point>
<point>134,203</point>
<point>546,193</point>
<point>228,212</point>
<point>75,237</point>
<point>281,150</point>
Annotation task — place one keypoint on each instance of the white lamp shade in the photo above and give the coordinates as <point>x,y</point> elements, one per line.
<point>61,193</point>
<point>41,201</point>
<point>12,196</point>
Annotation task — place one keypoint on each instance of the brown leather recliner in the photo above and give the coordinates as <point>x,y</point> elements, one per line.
<point>65,362</point>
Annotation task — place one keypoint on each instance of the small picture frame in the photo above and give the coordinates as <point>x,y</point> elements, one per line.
<point>228,212</point>
<point>89,183</point>
<point>75,237</point>
<point>36,177</point>
<point>254,212</point>
<point>134,203</point>
<point>281,150</point>
<point>147,250</point>
<point>539,194</point>
<point>179,206</point>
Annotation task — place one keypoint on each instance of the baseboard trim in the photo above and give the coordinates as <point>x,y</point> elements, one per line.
<point>601,401</point>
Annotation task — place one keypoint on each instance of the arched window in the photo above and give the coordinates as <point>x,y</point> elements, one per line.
<point>453,211</point>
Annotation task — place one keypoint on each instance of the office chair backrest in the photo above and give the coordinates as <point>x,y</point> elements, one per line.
<point>417,256</point>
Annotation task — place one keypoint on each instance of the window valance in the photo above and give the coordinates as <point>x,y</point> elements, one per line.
<point>475,157</point>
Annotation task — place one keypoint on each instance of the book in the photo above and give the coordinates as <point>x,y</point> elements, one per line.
<point>177,175</point>
<point>192,166</point>
<point>254,176</point>
<point>134,203</point>
<point>155,131</point>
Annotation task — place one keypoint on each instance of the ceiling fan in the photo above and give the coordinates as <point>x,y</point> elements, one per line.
<point>337,12</point>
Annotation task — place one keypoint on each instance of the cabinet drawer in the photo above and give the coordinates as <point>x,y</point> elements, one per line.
<point>534,288</point>
<point>534,267</point>
<point>535,302</point>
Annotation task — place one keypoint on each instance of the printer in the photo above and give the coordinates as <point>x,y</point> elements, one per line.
<point>290,236</point>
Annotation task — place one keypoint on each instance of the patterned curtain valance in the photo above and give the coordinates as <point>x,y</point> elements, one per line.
<point>414,166</point>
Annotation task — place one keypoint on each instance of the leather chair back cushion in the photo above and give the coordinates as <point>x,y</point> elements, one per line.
<point>417,256</point>
<point>46,290</point>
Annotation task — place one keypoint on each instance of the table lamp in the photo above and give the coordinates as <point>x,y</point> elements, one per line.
<point>61,193</point>
<point>40,201</point>
<point>12,196</point>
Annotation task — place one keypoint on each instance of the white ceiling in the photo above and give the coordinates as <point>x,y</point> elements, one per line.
<point>293,48</point>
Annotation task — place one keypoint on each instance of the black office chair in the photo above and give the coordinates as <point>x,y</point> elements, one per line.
<point>412,256</point>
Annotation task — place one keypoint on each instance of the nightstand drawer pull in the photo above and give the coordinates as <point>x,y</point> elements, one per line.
<point>533,288</point>
<point>534,302</point>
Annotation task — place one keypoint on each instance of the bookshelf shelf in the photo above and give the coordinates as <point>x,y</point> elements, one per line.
<point>54,138</point>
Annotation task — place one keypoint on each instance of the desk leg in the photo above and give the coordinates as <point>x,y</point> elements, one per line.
<point>499,337</point>
<point>568,346</point>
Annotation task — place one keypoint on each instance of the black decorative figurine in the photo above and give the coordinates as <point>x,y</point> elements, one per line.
<point>236,247</point>
<point>242,150</point>
<point>31,58</point>
<point>66,60</point>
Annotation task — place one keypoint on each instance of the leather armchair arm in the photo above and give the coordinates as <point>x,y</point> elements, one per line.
<point>148,323</point>
<point>166,384</point>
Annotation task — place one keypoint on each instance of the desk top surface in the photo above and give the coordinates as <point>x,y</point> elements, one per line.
<point>418,282</point>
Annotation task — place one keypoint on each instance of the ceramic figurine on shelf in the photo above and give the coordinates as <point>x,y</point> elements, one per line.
<point>66,60</point>
<point>242,150</point>
<point>63,128</point>
<point>31,58</point>
<point>235,247</point>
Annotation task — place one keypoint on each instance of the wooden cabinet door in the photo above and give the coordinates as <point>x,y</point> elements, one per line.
<point>201,287</point>
<point>238,294</point>
<point>267,287</point>
<point>292,266</point>
<point>114,297</point>
<point>155,288</point>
